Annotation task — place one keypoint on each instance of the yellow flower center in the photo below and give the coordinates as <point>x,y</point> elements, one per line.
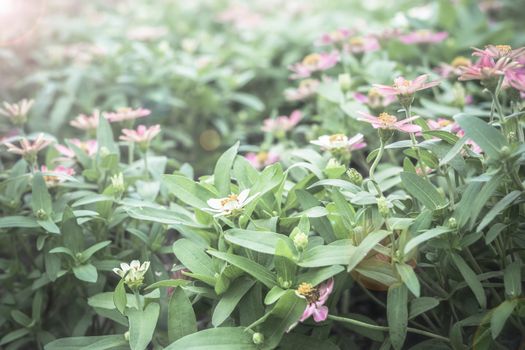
<point>504,49</point>
<point>356,41</point>
<point>460,61</point>
<point>262,157</point>
<point>337,137</point>
<point>404,83</point>
<point>230,198</point>
<point>311,59</point>
<point>308,291</point>
<point>387,119</point>
<point>373,93</point>
<point>444,122</point>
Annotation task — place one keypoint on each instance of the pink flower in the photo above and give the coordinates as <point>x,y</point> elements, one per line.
<point>335,37</point>
<point>262,159</point>
<point>28,148</point>
<point>423,37</point>
<point>316,298</point>
<point>142,135</point>
<point>374,99</point>
<point>473,146</point>
<point>314,62</point>
<point>307,88</point>
<point>454,68</point>
<point>282,123</point>
<point>17,112</point>
<point>389,122</point>
<point>340,141</point>
<point>52,180</point>
<point>123,114</point>
<point>89,146</point>
<point>442,124</point>
<point>86,122</point>
<point>487,68</point>
<point>516,78</point>
<point>498,51</point>
<point>406,87</point>
<point>362,44</point>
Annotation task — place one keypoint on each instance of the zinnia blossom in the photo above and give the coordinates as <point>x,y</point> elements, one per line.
<point>282,123</point>
<point>487,68</point>
<point>123,114</point>
<point>374,99</point>
<point>389,122</point>
<point>229,205</point>
<point>28,148</point>
<point>474,147</point>
<point>133,273</point>
<point>306,88</point>
<point>17,112</point>
<point>423,37</point>
<point>262,159</point>
<point>335,37</point>
<point>53,180</point>
<point>498,51</point>
<point>406,87</point>
<point>340,141</point>
<point>314,62</point>
<point>362,44</point>
<point>89,146</point>
<point>143,135</point>
<point>86,122</point>
<point>316,298</point>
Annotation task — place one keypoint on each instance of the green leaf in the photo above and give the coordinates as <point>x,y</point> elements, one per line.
<point>229,300</point>
<point>421,305</point>
<point>119,297</point>
<point>86,254</point>
<point>142,324</point>
<point>259,241</point>
<point>397,314</point>
<point>498,208</point>
<point>284,261</point>
<point>423,190</point>
<point>487,137</point>
<point>40,199</point>
<point>409,277</point>
<point>168,284</point>
<point>500,315</point>
<point>361,251</point>
<point>327,255</point>
<point>86,272</point>
<point>21,318</point>
<point>223,338</point>
<point>193,257</point>
<point>181,317</point>
<point>14,335</point>
<point>423,237</point>
<point>104,342</point>
<point>471,279</point>
<point>221,174</point>
<point>512,279</point>
<point>18,221</point>
<point>188,191</point>
<point>254,269</point>
<point>105,137</point>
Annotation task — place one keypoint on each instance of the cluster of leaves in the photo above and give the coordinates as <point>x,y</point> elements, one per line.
<point>417,260</point>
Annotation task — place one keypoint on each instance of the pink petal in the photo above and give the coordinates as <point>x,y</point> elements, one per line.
<point>320,314</point>
<point>310,309</point>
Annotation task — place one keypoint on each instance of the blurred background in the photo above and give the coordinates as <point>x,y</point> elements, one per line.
<point>210,71</point>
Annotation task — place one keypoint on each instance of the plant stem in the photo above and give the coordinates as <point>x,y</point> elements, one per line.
<point>385,329</point>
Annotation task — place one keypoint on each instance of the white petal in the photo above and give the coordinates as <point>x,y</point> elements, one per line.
<point>125,267</point>
<point>215,203</point>
<point>243,195</point>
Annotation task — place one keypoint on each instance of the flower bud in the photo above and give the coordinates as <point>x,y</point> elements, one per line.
<point>382,206</point>
<point>41,214</point>
<point>355,177</point>
<point>452,223</point>
<point>300,240</point>
<point>126,336</point>
<point>117,181</point>
<point>505,151</point>
<point>334,169</point>
<point>345,82</point>
<point>258,338</point>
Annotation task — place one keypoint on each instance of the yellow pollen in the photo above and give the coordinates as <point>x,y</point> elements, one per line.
<point>387,119</point>
<point>504,49</point>
<point>460,61</point>
<point>444,122</point>
<point>373,93</point>
<point>356,41</point>
<point>262,157</point>
<point>403,83</point>
<point>305,289</point>
<point>230,198</point>
<point>337,137</point>
<point>311,59</point>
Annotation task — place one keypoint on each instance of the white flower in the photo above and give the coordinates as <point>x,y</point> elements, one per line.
<point>230,204</point>
<point>337,141</point>
<point>133,273</point>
